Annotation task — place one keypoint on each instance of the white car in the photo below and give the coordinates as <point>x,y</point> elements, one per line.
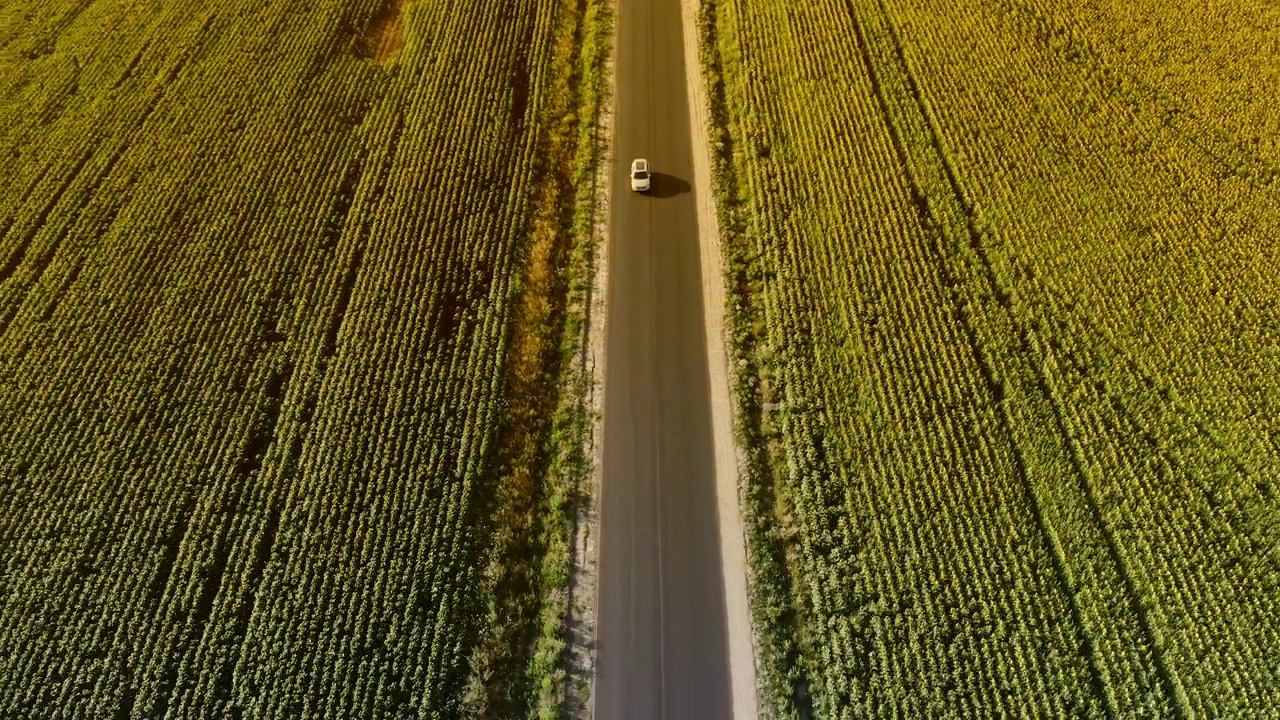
<point>640,177</point>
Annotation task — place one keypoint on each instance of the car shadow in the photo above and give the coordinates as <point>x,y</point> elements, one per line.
<point>666,186</point>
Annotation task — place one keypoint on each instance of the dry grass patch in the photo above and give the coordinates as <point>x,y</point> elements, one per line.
<point>384,37</point>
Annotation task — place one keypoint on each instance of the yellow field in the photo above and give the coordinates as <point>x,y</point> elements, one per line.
<point>282,308</point>
<point>1008,288</point>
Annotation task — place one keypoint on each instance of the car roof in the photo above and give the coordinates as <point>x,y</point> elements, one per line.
<point>640,163</point>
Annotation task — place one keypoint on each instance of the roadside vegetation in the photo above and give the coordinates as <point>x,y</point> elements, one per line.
<point>292,304</point>
<point>1005,292</point>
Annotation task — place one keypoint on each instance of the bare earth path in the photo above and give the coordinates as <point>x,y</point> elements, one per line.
<point>672,642</point>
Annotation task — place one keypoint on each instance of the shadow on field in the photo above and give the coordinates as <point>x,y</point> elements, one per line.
<point>665,186</point>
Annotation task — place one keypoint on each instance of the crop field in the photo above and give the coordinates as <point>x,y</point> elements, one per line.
<point>290,297</point>
<point>1006,281</point>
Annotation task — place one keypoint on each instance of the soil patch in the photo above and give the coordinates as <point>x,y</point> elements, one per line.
<point>384,36</point>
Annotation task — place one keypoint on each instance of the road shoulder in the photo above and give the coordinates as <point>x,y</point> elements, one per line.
<point>584,612</point>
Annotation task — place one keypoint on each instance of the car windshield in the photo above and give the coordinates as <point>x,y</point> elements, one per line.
<point>642,174</point>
